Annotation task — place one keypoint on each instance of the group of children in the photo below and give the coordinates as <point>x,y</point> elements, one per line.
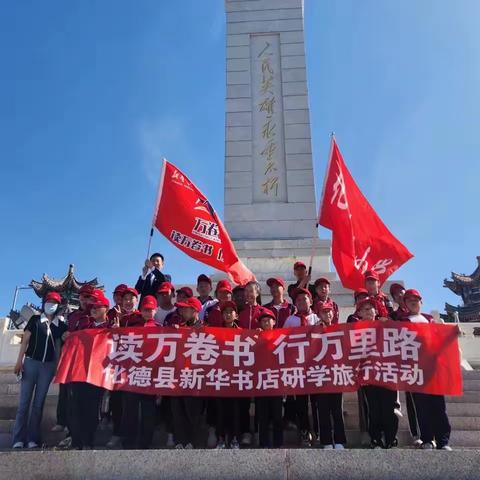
<point>134,415</point>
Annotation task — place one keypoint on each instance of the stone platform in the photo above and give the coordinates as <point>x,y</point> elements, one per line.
<point>245,464</point>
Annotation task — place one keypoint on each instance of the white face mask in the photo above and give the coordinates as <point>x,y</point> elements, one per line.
<point>50,308</point>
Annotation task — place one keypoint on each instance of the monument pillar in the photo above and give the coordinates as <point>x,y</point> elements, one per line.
<point>270,204</point>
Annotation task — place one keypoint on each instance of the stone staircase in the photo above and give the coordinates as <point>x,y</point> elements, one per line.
<point>464,414</point>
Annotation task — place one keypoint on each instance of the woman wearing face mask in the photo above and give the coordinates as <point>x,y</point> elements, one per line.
<point>37,364</point>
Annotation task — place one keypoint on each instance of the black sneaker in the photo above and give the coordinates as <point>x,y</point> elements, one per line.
<point>376,444</point>
<point>305,439</point>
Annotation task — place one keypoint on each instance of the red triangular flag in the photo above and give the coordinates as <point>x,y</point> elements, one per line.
<point>184,215</point>
<point>360,240</point>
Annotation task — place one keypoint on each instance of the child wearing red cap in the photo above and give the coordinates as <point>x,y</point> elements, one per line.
<point>303,280</point>
<point>210,313</point>
<point>187,410</point>
<point>86,397</point>
<point>372,285</point>
<point>281,307</point>
<point>138,422</point>
<point>269,408</point>
<point>204,288</point>
<point>358,296</point>
<point>431,409</point>
<point>329,405</point>
<point>116,310</point>
<point>381,402</point>
<point>322,294</point>
<point>35,367</point>
<point>248,319</point>
<point>304,316</point>
<point>228,428</point>
<point>165,295</point>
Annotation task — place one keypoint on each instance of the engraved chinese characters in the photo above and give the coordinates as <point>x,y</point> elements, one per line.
<point>269,173</point>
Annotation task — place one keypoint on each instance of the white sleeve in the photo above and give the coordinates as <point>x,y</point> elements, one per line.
<point>149,271</point>
<point>290,321</point>
<point>205,306</point>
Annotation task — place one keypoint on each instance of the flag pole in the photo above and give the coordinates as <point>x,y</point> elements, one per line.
<point>155,211</point>
<point>315,236</point>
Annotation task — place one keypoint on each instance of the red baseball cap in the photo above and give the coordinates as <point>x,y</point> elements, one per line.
<point>395,287</point>
<point>131,290</point>
<point>224,285</point>
<point>320,280</point>
<point>120,288</point>
<point>367,301</point>
<point>325,305</point>
<point>266,313</point>
<point>276,281</point>
<point>186,290</point>
<point>53,297</point>
<point>166,287</point>
<point>149,302</point>
<point>228,304</point>
<point>100,301</point>
<point>204,278</point>
<point>360,291</point>
<point>86,290</point>
<point>191,302</point>
<point>299,291</point>
<point>299,265</point>
<point>371,274</point>
<point>411,292</point>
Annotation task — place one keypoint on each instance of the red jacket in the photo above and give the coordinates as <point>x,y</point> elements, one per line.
<point>248,317</point>
<point>282,312</point>
<point>384,304</point>
<point>133,319</point>
<point>78,320</point>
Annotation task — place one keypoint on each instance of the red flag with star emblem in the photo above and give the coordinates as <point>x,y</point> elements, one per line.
<point>360,240</point>
<point>184,215</point>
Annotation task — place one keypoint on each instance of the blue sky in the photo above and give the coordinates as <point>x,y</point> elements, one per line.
<point>92,94</point>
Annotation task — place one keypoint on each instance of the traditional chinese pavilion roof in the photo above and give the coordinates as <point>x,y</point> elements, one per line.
<point>68,284</point>
<point>460,279</point>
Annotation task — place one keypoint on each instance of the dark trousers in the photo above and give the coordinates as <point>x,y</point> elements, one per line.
<point>86,400</point>
<point>330,418</point>
<point>228,417</point>
<point>301,409</point>
<point>289,413</point>
<point>412,415</point>
<point>315,419</point>
<point>381,404</point>
<point>432,418</point>
<point>62,405</point>
<point>163,413</point>
<point>138,420</point>
<point>244,405</point>
<point>187,413</point>
<point>116,405</point>
<point>211,411</point>
<point>269,409</point>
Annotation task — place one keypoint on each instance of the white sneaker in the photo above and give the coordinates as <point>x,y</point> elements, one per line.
<point>114,442</point>
<point>398,413</point>
<point>170,441</point>
<point>179,446</point>
<point>328,447</point>
<point>32,445</point>
<point>221,445</point>
<point>448,448</point>
<point>427,446</point>
<point>339,446</point>
<point>417,443</point>
<point>234,445</point>
<point>65,443</point>
<point>18,445</point>
<point>246,439</point>
<point>188,446</point>
<point>57,428</point>
<point>212,438</point>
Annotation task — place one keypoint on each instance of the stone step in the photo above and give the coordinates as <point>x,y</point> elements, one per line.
<point>14,389</point>
<point>471,385</point>
<point>471,374</point>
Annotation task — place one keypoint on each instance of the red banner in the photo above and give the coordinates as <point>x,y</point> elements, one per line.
<point>360,240</point>
<point>234,362</point>
<point>186,218</point>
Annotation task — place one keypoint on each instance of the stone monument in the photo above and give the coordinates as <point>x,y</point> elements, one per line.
<point>270,204</point>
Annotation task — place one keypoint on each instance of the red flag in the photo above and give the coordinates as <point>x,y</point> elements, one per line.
<point>185,216</point>
<point>360,240</point>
